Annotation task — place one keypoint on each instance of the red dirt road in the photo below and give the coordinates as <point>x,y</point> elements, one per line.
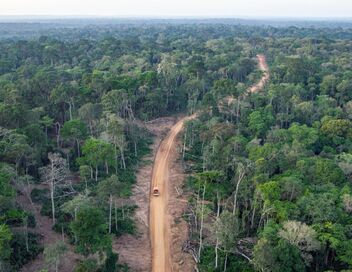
<point>265,69</point>
<point>159,224</point>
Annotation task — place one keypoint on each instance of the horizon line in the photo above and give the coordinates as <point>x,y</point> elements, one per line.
<point>136,16</point>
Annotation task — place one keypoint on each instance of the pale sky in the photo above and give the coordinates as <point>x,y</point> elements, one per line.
<point>175,8</point>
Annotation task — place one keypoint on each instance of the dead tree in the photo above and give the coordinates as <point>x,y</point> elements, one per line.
<point>56,175</point>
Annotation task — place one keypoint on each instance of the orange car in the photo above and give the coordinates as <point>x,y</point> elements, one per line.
<point>156,191</point>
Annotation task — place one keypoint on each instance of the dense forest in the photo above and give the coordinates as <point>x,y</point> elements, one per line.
<point>269,173</point>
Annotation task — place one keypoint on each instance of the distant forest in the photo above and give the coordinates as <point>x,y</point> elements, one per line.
<point>94,28</point>
<point>269,174</point>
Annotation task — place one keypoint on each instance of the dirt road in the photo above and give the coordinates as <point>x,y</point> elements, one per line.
<point>159,225</point>
<point>264,68</point>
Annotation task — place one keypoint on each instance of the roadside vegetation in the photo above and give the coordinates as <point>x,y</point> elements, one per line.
<point>270,172</point>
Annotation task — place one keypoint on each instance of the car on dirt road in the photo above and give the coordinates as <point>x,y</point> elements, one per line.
<point>156,191</point>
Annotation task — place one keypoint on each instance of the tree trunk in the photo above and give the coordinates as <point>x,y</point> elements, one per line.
<point>91,129</point>
<point>217,236</point>
<point>52,200</point>
<point>75,219</point>
<point>25,223</point>
<point>70,109</point>
<point>115,215</point>
<point>106,168</point>
<point>116,161</point>
<point>197,203</point>
<point>252,219</point>
<point>46,134</point>
<point>184,145</point>
<point>238,114</point>
<point>123,159</point>
<point>96,173</point>
<point>135,149</point>
<point>91,172</point>
<point>225,262</point>
<point>201,224</point>
<point>123,210</point>
<point>240,177</point>
<point>110,212</point>
<point>58,130</point>
<point>78,148</point>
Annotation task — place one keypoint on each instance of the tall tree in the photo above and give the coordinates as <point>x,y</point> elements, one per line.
<point>56,175</point>
<point>110,188</point>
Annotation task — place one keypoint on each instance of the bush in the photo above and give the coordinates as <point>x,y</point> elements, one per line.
<point>110,263</point>
<point>31,223</point>
<point>20,255</point>
<point>13,217</point>
<point>63,224</point>
<point>234,263</point>
<point>46,208</point>
<point>89,265</point>
<point>40,196</point>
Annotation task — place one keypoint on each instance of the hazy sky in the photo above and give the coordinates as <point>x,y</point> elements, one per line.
<point>167,8</point>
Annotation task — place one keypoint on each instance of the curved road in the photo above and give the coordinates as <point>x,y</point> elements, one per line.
<point>159,223</point>
<point>262,65</point>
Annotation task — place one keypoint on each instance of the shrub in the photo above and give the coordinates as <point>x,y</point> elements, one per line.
<point>20,255</point>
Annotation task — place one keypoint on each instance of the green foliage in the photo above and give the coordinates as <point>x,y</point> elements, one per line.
<point>280,155</point>
<point>287,257</point>
<point>321,171</point>
<point>90,229</point>
<point>110,263</point>
<point>5,238</point>
<point>345,252</point>
<point>40,195</point>
<point>89,265</point>
<point>96,153</point>
<point>260,121</point>
<point>234,262</point>
<point>6,191</point>
<point>302,134</point>
<point>20,255</point>
<point>74,129</point>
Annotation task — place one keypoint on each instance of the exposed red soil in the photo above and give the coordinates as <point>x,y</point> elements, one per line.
<point>264,79</point>
<point>135,251</point>
<point>177,205</point>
